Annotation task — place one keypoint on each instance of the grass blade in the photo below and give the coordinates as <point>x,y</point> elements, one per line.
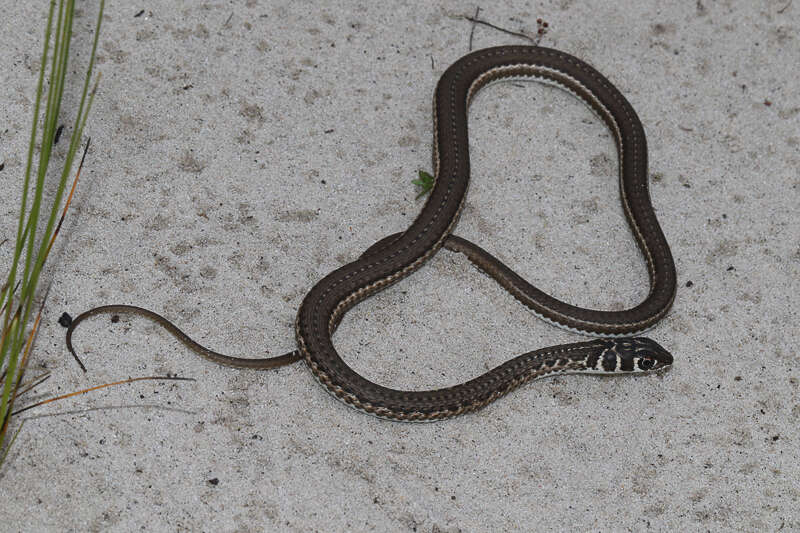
<point>33,246</point>
<point>103,386</point>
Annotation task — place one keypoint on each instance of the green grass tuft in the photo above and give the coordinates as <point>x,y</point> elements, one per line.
<point>33,242</point>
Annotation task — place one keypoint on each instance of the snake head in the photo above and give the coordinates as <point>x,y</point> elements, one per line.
<point>633,354</point>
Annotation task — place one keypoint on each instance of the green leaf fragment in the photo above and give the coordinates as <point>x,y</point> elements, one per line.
<point>425,182</point>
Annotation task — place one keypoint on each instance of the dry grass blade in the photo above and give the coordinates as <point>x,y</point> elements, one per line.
<point>69,197</point>
<point>35,382</point>
<point>103,386</point>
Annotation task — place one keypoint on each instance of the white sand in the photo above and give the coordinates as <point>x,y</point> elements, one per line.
<point>234,164</point>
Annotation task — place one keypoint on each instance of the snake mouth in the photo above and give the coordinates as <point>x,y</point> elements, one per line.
<point>633,354</point>
<point>648,355</point>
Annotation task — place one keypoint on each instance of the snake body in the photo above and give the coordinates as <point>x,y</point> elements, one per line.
<point>397,256</point>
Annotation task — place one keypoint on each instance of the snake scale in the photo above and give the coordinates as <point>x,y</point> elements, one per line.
<point>397,256</point>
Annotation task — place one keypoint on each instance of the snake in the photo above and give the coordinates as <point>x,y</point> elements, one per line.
<point>615,349</point>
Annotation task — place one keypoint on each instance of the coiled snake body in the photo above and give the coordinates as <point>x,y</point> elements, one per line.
<point>395,257</point>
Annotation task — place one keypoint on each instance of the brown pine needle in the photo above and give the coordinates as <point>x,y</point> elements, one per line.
<point>103,386</point>
<point>28,385</point>
<point>69,198</point>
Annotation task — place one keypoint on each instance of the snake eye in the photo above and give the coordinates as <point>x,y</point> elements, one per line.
<point>646,363</point>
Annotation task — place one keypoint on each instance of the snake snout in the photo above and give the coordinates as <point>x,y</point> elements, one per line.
<point>647,355</point>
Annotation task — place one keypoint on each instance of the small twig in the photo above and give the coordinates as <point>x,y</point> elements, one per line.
<point>103,386</point>
<point>472,29</point>
<point>228,20</point>
<point>475,20</point>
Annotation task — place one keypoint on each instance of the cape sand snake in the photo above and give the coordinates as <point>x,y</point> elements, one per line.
<point>395,257</point>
